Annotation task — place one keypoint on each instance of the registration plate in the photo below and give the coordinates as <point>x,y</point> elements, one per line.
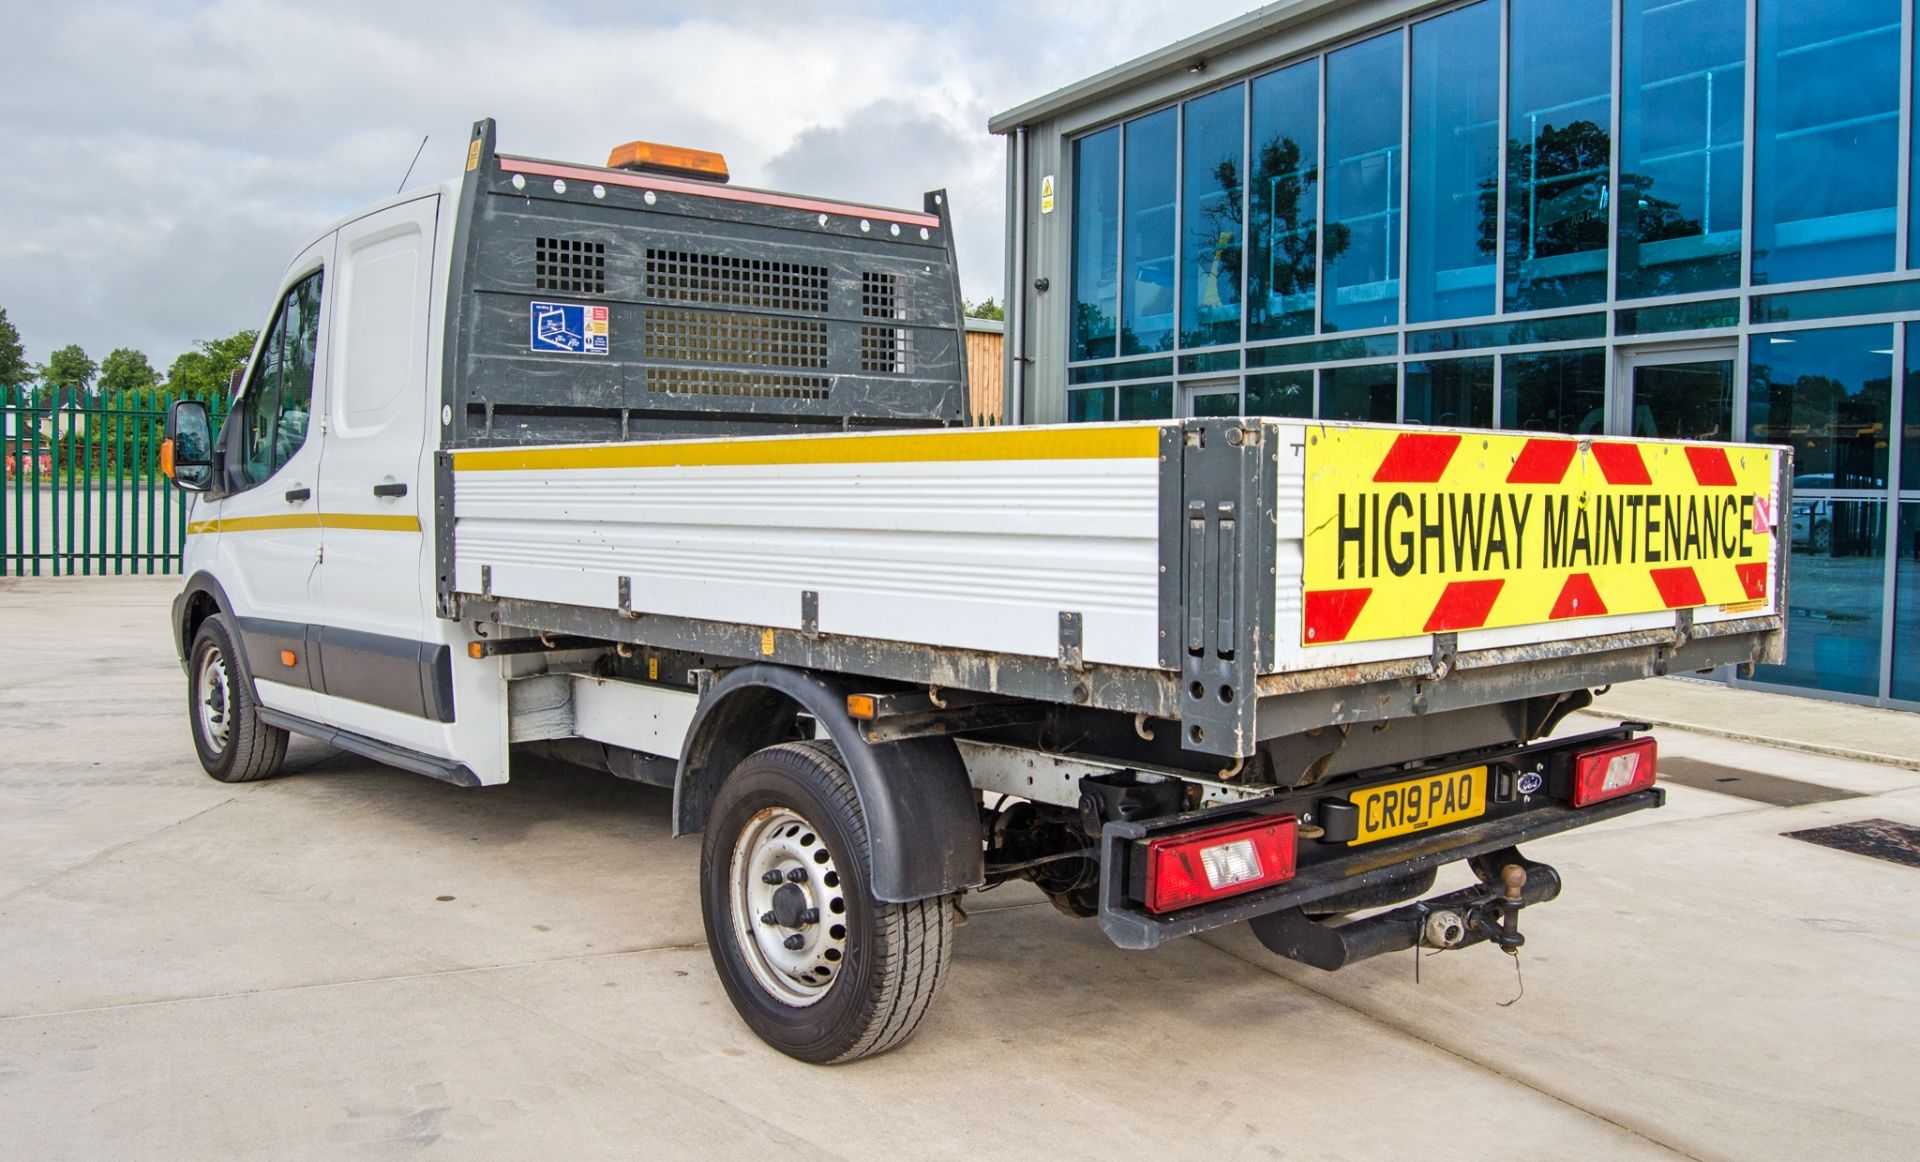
<point>1418,804</point>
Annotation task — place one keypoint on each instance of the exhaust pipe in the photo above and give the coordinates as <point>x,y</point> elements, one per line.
<point>1509,881</point>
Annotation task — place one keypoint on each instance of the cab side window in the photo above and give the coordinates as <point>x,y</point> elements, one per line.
<point>279,395</point>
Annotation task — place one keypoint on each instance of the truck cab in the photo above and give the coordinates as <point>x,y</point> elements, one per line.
<point>314,530</point>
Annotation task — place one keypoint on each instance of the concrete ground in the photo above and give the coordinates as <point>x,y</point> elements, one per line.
<point>1814,725</point>
<point>359,963</point>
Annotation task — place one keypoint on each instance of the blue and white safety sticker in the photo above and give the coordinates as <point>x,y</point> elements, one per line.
<point>567,328</point>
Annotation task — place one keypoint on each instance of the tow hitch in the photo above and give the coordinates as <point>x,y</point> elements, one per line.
<point>1509,882</point>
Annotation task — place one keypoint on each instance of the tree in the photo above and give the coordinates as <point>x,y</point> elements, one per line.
<point>126,370</point>
<point>985,309</point>
<point>204,372</point>
<point>69,367</point>
<point>1557,193</point>
<point>14,368</point>
<point>1286,233</point>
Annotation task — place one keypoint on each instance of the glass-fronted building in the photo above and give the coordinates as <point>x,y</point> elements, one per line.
<point>1676,218</point>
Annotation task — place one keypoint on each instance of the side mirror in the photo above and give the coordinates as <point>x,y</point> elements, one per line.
<point>187,456</point>
<point>233,382</point>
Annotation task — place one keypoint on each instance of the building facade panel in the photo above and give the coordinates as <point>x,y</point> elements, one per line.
<point>1689,218</point>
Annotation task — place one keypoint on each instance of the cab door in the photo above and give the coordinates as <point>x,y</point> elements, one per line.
<point>384,675</point>
<point>265,516</point>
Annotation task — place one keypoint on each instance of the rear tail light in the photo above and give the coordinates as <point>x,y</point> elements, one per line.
<point>1194,867</point>
<point>1612,771</point>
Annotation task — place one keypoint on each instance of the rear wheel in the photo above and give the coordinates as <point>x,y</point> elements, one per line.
<point>234,745</point>
<point>816,966</point>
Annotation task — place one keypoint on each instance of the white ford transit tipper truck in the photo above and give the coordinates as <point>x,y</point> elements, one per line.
<point>673,479</point>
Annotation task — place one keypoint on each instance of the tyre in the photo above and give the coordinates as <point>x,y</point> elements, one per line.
<point>815,965</point>
<point>234,745</point>
<point>1823,539</point>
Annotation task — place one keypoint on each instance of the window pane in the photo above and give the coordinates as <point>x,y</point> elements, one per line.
<point>1827,137</point>
<point>1682,151</point>
<point>1702,316</point>
<point>1879,298</point>
<point>1284,393</point>
<point>1090,405</point>
<point>1147,290</point>
<point>1910,442</point>
<point>1906,604</point>
<point>1363,394</point>
<point>1284,202</point>
<point>296,386</point>
<point>1214,148</point>
<point>1456,164</point>
<point>1096,243</point>
<point>1216,404</point>
<point>1206,361</point>
<point>1108,372</point>
<point>1554,391</point>
<point>1913,176</point>
<point>1362,242</point>
<point>1684,401</point>
<point>1839,574</point>
<point>263,403</point>
<point>1451,392</point>
<point>1324,351</point>
<point>1555,330</point>
<point>1829,395</point>
<point>1146,401</point>
<point>1560,107</point>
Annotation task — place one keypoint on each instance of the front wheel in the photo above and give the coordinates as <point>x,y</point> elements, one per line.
<point>234,745</point>
<point>816,966</point>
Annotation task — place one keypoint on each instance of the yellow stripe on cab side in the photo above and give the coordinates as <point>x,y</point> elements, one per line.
<point>366,521</point>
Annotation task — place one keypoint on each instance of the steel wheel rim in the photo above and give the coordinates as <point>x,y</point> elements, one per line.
<point>810,906</point>
<point>213,699</point>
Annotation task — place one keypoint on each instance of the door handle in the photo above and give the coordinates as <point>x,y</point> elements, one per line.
<point>296,495</point>
<point>389,490</point>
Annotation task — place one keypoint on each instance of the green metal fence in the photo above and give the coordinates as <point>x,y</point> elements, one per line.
<point>81,490</point>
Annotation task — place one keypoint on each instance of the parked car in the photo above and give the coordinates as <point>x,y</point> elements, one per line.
<point>1813,516</point>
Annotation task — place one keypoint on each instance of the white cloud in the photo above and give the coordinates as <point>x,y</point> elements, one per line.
<point>165,160</point>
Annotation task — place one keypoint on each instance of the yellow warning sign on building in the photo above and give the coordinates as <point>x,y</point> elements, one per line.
<point>1411,533</point>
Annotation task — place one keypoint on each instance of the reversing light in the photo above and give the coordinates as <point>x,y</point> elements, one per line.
<point>1609,772</point>
<point>678,161</point>
<point>1193,867</point>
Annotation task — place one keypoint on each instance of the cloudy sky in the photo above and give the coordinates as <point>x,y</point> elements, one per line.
<point>165,160</point>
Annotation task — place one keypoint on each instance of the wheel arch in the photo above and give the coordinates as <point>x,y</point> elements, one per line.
<point>200,598</point>
<point>923,823</point>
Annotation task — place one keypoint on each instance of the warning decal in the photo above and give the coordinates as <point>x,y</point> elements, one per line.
<point>1413,533</point>
<point>567,327</point>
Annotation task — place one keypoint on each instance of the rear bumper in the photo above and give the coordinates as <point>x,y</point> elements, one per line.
<point>1129,925</point>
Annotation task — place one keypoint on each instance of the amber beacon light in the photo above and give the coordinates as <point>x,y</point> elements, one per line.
<point>672,160</point>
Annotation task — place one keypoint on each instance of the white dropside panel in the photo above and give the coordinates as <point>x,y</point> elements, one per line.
<point>973,539</point>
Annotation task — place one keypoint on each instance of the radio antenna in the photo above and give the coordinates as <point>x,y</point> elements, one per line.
<point>411,164</point>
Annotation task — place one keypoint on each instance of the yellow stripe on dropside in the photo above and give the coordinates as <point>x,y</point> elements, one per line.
<point>367,521</point>
<point>1093,443</point>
